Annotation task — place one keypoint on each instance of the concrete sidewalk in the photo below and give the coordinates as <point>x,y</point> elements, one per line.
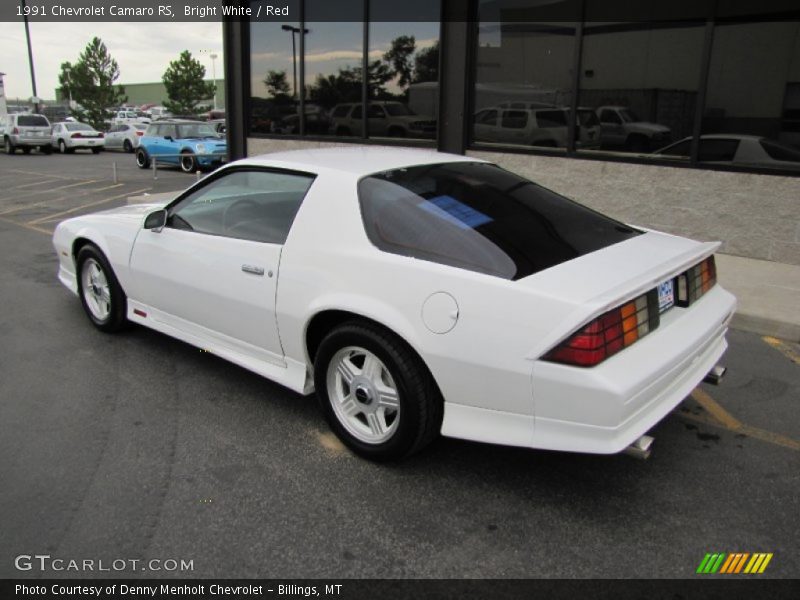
<point>768,292</point>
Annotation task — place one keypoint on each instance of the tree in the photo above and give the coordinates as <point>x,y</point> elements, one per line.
<point>91,81</point>
<point>277,86</point>
<point>426,64</point>
<point>185,85</point>
<point>399,58</point>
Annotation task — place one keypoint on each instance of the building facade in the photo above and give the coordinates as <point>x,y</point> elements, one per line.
<point>681,116</point>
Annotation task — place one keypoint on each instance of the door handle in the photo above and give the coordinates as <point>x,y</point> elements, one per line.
<point>254,270</point>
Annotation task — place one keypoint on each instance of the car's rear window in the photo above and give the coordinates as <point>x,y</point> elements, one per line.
<point>479,217</point>
<point>78,127</point>
<point>32,121</point>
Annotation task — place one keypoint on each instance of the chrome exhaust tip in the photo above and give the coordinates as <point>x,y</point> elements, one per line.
<point>715,375</point>
<point>640,448</point>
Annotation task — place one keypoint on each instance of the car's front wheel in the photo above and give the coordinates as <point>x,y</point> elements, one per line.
<point>375,392</point>
<point>101,295</point>
<point>188,162</point>
<point>142,159</point>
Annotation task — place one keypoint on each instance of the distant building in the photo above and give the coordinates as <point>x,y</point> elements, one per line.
<point>156,94</point>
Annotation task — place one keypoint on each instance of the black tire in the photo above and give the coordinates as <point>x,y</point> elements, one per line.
<point>127,146</point>
<point>26,149</point>
<point>188,162</point>
<point>421,405</point>
<point>142,159</point>
<point>9,147</point>
<point>116,318</point>
<point>343,131</point>
<point>396,132</point>
<point>46,149</point>
<point>96,150</point>
<point>62,146</point>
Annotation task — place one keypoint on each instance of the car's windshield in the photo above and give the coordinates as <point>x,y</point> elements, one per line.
<point>141,126</point>
<point>395,109</point>
<point>78,127</point>
<point>628,115</point>
<point>196,130</point>
<point>478,217</point>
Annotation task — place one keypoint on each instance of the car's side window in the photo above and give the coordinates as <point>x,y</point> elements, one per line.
<point>610,116</point>
<point>168,130</point>
<point>256,205</point>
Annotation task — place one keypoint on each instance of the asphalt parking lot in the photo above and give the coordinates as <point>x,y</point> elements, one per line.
<point>137,446</point>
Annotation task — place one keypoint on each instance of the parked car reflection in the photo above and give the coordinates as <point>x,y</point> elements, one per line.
<point>736,149</point>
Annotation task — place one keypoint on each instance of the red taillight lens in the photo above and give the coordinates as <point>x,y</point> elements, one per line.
<point>140,133</point>
<point>609,333</point>
<point>696,281</point>
<point>101,134</point>
<point>15,131</point>
<point>76,135</point>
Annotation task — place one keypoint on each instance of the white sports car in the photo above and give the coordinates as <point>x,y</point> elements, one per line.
<point>418,293</point>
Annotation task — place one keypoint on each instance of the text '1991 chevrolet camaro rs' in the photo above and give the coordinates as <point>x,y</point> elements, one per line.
<point>418,293</point>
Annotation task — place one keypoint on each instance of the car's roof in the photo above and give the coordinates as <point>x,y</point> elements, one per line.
<point>356,160</point>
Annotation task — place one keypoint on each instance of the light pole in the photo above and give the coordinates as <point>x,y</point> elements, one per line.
<point>35,97</point>
<point>213,58</point>
<point>68,72</point>
<point>294,55</point>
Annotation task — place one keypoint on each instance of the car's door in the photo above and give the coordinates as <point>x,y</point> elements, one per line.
<point>513,127</point>
<point>113,137</point>
<point>214,268</point>
<point>377,120</point>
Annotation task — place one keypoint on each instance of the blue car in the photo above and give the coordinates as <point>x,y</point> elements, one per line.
<point>192,145</point>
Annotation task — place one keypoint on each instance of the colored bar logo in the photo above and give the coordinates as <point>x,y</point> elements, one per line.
<point>737,562</point>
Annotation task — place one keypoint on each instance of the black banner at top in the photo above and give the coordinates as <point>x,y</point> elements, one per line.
<point>506,11</point>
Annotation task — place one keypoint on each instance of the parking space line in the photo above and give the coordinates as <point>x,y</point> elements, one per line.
<point>63,187</point>
<point>713,408</point>
<point>8,211</point>
<point>754,432</point>
<point>27,185</point>
<point>27,226</point>
<point>784,349</point>
<point>55,216</point>
<point>40,174</point>
<point>719,417</point>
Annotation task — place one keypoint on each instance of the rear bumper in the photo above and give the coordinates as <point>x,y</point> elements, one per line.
<point>20,140</point>
<point>603,409</point>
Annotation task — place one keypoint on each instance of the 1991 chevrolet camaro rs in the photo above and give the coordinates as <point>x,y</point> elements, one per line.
<point>418,293</point>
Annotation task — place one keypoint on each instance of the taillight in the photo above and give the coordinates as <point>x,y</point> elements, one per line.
<point>15,131</point>
<point>609,333</point>
<point>696,281</point>
<point>76,135</point>
<point>101,134</point>
<point>140,133</point>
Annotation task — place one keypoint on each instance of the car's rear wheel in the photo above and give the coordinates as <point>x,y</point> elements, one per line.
<point>188,162</point>
<point>100,293</point>
<point>9,147</point>
<point>142,158</point>
<point>46,149</point>
<point>96,150</point>
<point>62,146</point>
<point>26,150</point>
<point>127,146</point>
<point>375,392</point>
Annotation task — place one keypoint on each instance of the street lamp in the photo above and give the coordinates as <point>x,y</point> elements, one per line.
<point>67,72</point>
<point>294,54</point>
<point>213,58</point>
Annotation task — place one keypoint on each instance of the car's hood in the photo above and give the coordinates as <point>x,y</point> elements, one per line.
<point>136,211</point>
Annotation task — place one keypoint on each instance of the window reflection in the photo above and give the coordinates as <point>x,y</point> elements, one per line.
<point>641,80</point>
<point>753,98</point>
<point>523,75</point>
<point>274,64</point>
<point>403,78</point>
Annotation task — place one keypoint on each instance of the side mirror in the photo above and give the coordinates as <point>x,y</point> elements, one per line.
<point>156,221</point>
<point>168,137</point>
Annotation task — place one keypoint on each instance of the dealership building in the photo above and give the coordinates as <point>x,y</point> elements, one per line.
<point>676,115</point>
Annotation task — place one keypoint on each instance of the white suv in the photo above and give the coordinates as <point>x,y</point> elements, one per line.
<point>25,131</point>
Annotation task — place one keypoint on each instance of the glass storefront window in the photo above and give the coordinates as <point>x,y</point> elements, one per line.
<point>753,98</point>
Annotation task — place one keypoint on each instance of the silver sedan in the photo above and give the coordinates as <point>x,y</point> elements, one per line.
<point>125,136</point>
